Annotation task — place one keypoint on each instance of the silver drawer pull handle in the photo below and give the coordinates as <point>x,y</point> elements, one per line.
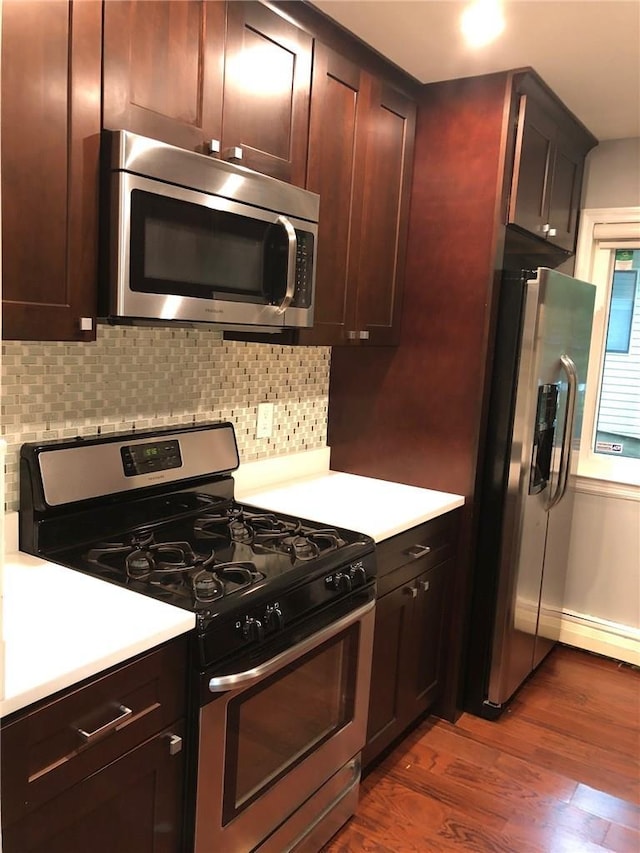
<point>233,153</point>
<point>175,744</point>
<point>411,590</point>
<point>124,714</point>
<point>424,585</point>
<point>418,551</point>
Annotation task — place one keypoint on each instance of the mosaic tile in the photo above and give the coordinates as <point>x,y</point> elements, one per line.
<point>135,378</point>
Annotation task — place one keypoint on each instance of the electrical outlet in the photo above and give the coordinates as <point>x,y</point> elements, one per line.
<point>264,423</point>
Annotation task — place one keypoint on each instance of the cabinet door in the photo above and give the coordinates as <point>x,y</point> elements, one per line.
<point>380,231</point>
<point>50,149</point>
<point>564,197</point>
<point>389,670</point>
<point>425,641</point>
<point>163,69</point>
<point>133,804</point>
<point>534,155</point>
<point>267,82</point>
<point>547,177</point>
<point>335,108</point>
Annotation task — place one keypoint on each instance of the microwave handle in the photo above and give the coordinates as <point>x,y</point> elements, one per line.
<point>291,263</point>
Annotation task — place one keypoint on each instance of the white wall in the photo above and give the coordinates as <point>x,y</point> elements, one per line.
<point>602,600</point>
<point>606,555</point>
<point>612,174</point>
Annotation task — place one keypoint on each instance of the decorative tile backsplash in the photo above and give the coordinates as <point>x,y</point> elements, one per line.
<point>145,377</point>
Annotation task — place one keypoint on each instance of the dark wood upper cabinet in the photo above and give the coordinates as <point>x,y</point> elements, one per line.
<point>238,74</point>
<point>384,182</point>
<point>267,86</point>
<point>163,69</point>
<point>51,70</point>
<point>360,158</point>
<point>550,149</point>
<point>336,109</point>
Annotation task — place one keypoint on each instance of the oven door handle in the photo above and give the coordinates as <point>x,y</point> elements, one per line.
<point>223,683</point>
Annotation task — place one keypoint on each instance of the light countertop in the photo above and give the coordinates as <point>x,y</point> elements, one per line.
<point>376,507</point>
<point>61,626</point>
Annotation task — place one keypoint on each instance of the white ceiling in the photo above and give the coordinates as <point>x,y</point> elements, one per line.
<point>587,51</point>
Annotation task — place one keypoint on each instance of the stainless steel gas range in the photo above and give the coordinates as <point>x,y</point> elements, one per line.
<point>281,653</point>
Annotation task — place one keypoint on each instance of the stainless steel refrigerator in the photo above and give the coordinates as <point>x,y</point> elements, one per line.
<point>526,500</point>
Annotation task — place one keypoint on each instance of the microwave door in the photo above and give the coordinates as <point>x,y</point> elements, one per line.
<point>188,256</point>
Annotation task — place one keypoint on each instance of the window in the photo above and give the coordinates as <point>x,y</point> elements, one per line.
<point>621,309</point>
<point>609,256</point>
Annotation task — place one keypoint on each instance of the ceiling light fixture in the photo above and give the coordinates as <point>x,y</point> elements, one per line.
<point>482,21</point>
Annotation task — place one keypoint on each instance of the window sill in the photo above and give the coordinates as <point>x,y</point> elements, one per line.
<point>594,484</point>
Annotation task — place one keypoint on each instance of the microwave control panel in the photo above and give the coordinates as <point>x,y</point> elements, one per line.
<point>304,270</point>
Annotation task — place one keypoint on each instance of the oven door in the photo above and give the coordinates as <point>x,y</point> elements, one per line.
<point>274,735</point>
<point>183,255</point>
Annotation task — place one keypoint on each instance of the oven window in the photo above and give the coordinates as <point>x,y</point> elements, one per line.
<point>275,725</point>
<point>185,249</point>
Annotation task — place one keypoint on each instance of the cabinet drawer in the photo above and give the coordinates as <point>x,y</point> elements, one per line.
<point>55,745</point>
<point>406,555</point>
<point>132,805</point>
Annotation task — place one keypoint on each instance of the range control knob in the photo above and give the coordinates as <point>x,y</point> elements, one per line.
<point>273,618</point>
<point>252,629</point>
<point>341,582</point>
<point>358,575</point>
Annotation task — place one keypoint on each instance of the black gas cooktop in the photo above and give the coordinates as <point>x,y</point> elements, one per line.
<point>202,558</point>
<point>155,513</point>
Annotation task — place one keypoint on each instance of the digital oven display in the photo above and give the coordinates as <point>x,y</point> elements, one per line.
<point>146,458</point>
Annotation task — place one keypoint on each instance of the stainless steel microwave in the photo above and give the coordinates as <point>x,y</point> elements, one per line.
<point>190,239</point>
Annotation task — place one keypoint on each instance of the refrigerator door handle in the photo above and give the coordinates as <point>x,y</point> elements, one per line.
<point>567,433</point>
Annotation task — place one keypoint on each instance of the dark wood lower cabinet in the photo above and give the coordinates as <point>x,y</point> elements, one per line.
<point>388,674</point>
<point>99,768</point>
<point>133,805</point>
<point>416,572</point>
<point>425,655</point>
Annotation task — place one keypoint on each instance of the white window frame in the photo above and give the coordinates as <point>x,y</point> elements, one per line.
<point>594,263</point>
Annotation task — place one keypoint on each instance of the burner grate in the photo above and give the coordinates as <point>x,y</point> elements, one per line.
<point>174,566</point>
<point>269,532</point>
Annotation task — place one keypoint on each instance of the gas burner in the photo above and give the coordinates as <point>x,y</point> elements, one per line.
<point>139,563</point>
<point>310,543</point>
<point>206,587</point>
<point>240,531</point>
<point>300,547</point>
<point>243,526</point>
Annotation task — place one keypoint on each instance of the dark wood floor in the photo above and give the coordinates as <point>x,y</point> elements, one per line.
<point>558,773</point>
